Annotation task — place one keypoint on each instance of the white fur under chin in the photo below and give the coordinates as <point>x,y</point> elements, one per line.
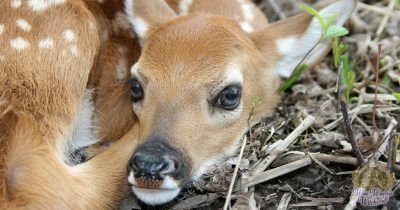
<point>167,192</point>
<point>155,196</point>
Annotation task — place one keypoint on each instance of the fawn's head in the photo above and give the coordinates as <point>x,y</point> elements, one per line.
<point>193,86</point>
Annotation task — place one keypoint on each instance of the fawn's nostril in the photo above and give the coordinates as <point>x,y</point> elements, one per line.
<point>171,167</point>
<point>148,165</point>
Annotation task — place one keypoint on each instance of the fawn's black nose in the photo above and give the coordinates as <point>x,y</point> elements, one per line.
<point>155,160</point>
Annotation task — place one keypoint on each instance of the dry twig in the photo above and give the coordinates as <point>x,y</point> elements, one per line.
<point>228,196</point>
<point>379,10</point>
<point>283,145</point>
<point>277,9</point>
<point>378,56</point>
<point>349,131</point>
<point>276,172</point>
<point>386,136</point>
<point>385,19</point>
<point>283,204</point>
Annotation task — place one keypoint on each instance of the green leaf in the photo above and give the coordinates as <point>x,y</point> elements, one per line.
<point>293,77</point>
<point>399,80</point>
<point>346,68</point>
<point>353,99</point>
<point>335,31</point>
<point>386,81</point>
<point>331,19</point>
<point>310,10</point>
<point>351,76</point>
<point>255,102</point>
<point>315,13</point>
<point>397,95</point>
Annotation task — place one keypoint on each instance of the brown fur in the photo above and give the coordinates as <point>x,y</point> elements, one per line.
<point>40,94</point>
<point>186,58</point>
<point>190,68</point>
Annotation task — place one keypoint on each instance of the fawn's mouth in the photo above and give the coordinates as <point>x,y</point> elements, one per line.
<point>152,191</point>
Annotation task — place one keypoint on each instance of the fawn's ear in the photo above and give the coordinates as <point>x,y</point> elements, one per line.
<point>294,38</point>
<point>147,14</point>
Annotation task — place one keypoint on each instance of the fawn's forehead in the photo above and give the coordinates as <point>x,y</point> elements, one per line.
<point>195,48</point>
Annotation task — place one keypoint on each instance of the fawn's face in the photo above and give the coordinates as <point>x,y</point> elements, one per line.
<point>192,90</point>
<point>193,86</point>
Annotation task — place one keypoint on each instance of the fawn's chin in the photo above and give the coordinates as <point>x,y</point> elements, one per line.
<point>156,193</point>
<point>155,196</point>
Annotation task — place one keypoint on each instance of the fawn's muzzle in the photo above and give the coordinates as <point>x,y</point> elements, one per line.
<point>153,162</point>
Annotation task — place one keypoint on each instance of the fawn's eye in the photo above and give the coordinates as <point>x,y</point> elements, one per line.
<point>136,89</point>
<point>229,97</point>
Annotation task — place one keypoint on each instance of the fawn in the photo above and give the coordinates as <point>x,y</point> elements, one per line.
<point>181,107</point>
<point>202,63</point>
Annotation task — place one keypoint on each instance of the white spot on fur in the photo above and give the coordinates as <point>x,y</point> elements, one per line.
<point>184,6</point>
<point>122,72</point>
<point>42,5</point>
<point>23,24</point>
<point>100,1</point>
<point>15,4</point>
<point>246,26</point>
<point>2,29</point>
<point>248,12</point>
<point>69,35</point>
<point>19,44</point>
<point>92,25</point>
<point>138,24</point>
<point>74,50</point>
<point>82,134</point>
<point>46,43</point>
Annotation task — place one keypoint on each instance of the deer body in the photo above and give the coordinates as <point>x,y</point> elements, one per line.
<point>49,50</point>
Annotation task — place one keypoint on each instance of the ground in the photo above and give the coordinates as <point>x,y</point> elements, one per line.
<point>322,153</point>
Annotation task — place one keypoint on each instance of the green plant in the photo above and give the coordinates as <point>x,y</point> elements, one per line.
<point>348,77</point>
<point>397,95</point>
<point>386,80</point>
<point>334,32</point>
<point>255,101</point>
<point>293,77</point>
<point>329,31</point>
